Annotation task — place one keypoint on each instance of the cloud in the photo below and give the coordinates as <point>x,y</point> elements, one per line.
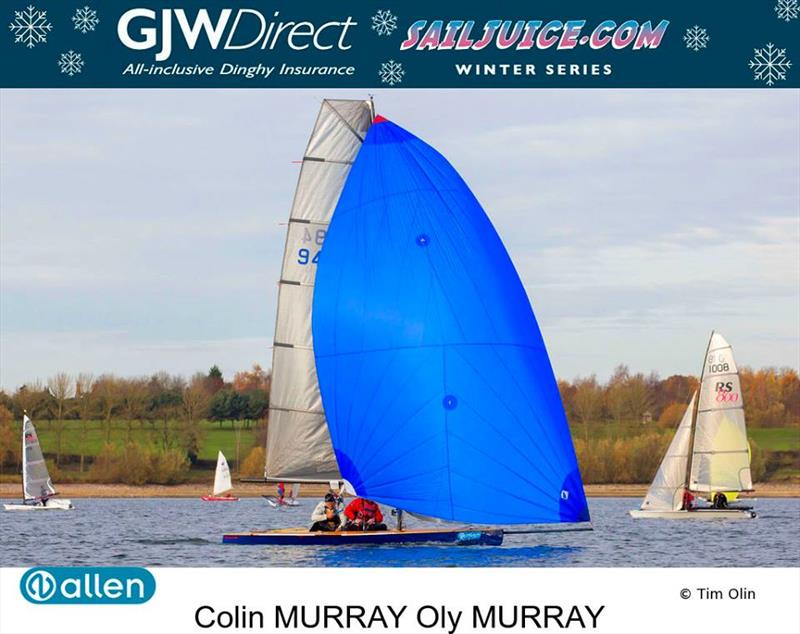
<point>26,356</point>
<point>141,230</point>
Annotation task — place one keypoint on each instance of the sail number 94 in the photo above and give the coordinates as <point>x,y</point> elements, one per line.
<point>306,255</point>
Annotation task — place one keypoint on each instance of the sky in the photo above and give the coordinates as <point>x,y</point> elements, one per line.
<point>142,230</point>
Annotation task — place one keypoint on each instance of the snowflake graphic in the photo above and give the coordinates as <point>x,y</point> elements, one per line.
<point>71,63</point>
<point>391,72</point>
<point>85,19</point>
<point>696,38</point>
<point>787,10</point>
<point>384,22</point>
<point>769,64</point>
<point>30,26</point>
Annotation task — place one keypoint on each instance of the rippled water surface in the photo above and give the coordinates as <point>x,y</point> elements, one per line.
<point>188,532</point>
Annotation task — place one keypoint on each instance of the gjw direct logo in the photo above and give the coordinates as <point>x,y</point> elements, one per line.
<point>65,585</point>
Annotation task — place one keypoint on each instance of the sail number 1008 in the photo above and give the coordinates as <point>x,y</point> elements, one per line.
<point>307,255</point>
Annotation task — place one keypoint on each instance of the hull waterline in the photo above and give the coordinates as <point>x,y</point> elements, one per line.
<point>52,505</point>
<point>700,514</point>
<point>302,537</point>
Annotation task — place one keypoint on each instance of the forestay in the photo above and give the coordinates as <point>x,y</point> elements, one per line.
<point>222,476</point>
<point>36,481</point>
<point>298,443</point>
<point>434,376</point>
<point>721,454</point>
<point>666,491</point>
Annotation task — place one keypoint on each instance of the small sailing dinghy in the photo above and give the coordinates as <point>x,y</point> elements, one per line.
<point>280,500</point>
<point>709,456</point>
<point>222,483</point>
<point>419,374</point>
<point>37,487</point>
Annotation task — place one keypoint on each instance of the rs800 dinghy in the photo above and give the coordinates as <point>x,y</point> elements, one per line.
<point>708,460</point>
<point>419,376</point>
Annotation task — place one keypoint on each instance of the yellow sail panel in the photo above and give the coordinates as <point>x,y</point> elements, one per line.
<point>721,454</point>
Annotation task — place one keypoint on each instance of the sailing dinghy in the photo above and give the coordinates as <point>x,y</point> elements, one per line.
<point>426,385</point>
<point>280,500</point>
<point>222,483</point>
<point>709,455</point>
<point>37,487</point>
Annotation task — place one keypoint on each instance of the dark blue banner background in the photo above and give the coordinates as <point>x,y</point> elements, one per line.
<point>57,43</point>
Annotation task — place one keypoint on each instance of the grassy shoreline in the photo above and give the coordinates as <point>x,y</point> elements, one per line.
<point>10,490</point>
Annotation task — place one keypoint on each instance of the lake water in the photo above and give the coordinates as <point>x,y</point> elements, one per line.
<point>188,532</point>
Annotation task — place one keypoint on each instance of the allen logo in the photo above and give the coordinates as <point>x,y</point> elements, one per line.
<point>38,586</point>
<point>87,585</point>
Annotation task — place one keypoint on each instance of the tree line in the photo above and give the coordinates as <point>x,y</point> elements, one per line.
<point>170,406</point>
<point>771,397</point>
<point>621,427</point>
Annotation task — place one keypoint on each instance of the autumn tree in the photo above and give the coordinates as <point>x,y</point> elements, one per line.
<point>84,402</point>
<point>33,399</point>
<point>108,397</point>
<point>9,439</point>
<point>255,379</point>
<point>61,388</point>
<point>637,396</point>
<point>165,400</point>
<point>587,401</point>
<point>195,400</point>
<point>615,397</point>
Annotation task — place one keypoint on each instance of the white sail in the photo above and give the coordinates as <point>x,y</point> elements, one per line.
<point>721,454</point>
<point>222,476</point>
<point>36,483</point>
<point>666,491</point>
<point>298,443</point>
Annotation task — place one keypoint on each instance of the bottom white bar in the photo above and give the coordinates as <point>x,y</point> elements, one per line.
<point>455,601</point>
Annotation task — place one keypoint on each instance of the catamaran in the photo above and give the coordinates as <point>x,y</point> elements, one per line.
<point>222,483</point>
<point>37,487</point>
<point>407,361</point>
<point>708,459</point>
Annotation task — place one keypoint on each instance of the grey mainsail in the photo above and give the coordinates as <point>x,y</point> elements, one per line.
<point>36,483</point>
<point>298,444</point>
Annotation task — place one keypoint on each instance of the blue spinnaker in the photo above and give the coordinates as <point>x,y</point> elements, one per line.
<point>435,380</point>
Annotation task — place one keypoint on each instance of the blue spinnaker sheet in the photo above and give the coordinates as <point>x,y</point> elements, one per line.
<point>437,387</point>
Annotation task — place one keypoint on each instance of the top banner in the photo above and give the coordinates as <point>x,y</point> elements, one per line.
<point>402,44</point>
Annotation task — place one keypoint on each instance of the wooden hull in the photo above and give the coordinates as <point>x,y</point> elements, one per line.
<point>214,498</point>
<point>302,537</point>
<point>52,505</point>
<point>699,514</point>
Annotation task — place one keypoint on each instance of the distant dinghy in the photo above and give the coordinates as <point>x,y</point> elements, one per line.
<point>222,483</point>
<point>709,456</point>
<point>280,501</point>
<point>37,487</point>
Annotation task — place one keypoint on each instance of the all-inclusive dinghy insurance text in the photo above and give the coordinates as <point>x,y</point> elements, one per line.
<point>490,618</point>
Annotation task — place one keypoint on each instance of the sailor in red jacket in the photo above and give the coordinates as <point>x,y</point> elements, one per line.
<point>364,515</point>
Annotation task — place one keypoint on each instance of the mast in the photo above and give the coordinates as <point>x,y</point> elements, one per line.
<point>24,415</point>
<point>694,414</point>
